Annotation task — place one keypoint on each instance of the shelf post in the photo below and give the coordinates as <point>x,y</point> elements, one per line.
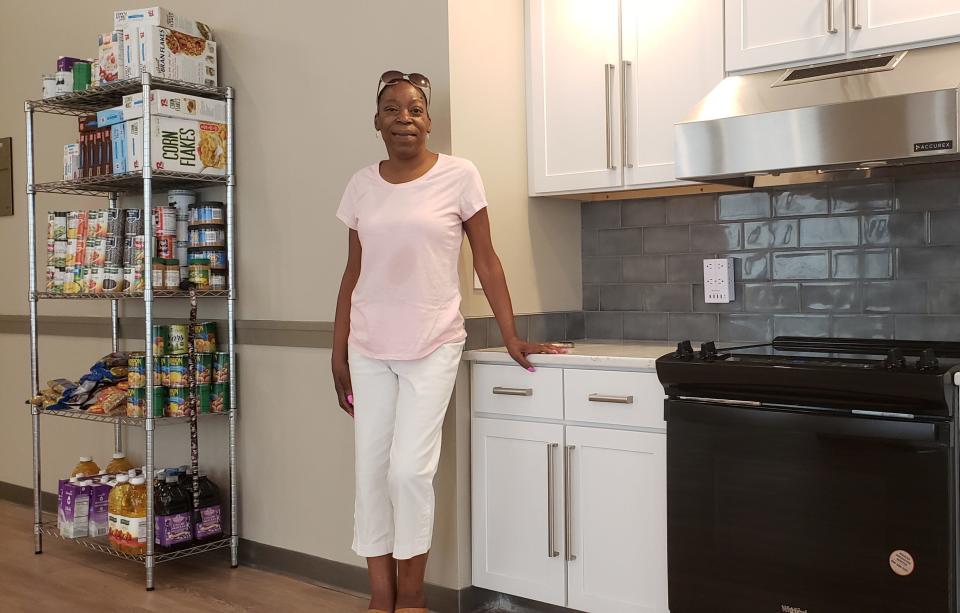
<point>148,317</point>
<point>34,357</point>
<point>115,340</point>
<point>232,332</point>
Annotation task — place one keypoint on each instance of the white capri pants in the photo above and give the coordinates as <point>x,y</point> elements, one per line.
<point>398,408</point>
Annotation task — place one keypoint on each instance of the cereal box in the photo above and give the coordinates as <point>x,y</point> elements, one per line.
<point>131,52</point>
<point>110,60</point>
<point>119,143</point>
<point>180,145</point>
<point>171,54</point>
<point>171,104</point>
<point>71,162</point>
<point>159,16</point>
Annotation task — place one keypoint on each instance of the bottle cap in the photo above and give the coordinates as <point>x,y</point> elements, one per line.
<point>74,479</point>
<point>137,481</point>
<point>106,479</point>
<point>132,473</point>
<point>123,478</point>
<point>117,456</point>
<point>85,483</point>
<point>86,458</point>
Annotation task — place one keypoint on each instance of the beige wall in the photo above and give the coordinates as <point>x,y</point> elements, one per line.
<point>538,239</point>
<point>305,78</point>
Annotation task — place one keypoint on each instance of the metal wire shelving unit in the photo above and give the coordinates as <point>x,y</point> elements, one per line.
<point>112,186</point>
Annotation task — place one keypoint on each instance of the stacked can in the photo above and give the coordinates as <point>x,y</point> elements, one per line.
<point>208,239</point>
<point>220,394</point>
<point>182,200</point>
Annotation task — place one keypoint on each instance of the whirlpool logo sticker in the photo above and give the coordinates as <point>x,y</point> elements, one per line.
<point>785,608</point>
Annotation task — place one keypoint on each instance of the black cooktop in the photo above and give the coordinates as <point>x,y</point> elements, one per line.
<point>909,378</point>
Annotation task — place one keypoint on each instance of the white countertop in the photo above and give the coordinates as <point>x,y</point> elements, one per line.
<point>597,354</point>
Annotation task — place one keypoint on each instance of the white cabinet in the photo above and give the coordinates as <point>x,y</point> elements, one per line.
<point>565,512</point>
<point>606,82</point>
<point>618,520</point>
<point>672,58</point>
<point>574,90</point>
<point>890,23</point>
<point>513,503</point>
<point>768,32</point>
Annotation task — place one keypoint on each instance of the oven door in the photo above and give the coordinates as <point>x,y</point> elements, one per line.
<point>773,511</point>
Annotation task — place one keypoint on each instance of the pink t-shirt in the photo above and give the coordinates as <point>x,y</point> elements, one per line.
<point>407,299</point>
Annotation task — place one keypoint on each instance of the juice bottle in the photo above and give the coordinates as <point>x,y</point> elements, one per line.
<point>136,510</point>
<point>86,467</point>
<point>207,526</point>
<point>116,512</point>
<point>119,464</point>
<point>173,528</point>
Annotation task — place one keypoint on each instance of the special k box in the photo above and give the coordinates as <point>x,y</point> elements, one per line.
<point>179,145</point>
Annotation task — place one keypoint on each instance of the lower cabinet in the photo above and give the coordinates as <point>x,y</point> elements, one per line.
<point>570,515</point>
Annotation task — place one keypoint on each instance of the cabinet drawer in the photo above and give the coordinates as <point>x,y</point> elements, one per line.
<point>511,390</point>
<point>614,397</point>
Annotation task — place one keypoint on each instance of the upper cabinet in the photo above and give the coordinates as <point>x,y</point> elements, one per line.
<point>764,33</point>
<point>769,32</point>
<point>606,81</point>
<point>890,23</point>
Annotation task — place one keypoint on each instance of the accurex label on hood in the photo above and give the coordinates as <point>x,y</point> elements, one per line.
<point>934,145</point>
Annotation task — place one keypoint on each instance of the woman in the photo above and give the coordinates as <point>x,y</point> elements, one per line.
<point>399,306</point>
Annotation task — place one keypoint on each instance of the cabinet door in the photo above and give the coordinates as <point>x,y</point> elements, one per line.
<point>767,32</point>
<point>672,58</point>
<point>573,95</point>
<point>888,23</point>
<point>516,548</point>
<point>618,520</point>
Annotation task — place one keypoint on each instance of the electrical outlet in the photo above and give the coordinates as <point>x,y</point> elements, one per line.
<point>718,286</point>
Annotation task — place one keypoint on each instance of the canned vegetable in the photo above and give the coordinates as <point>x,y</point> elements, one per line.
<point>178,338</point>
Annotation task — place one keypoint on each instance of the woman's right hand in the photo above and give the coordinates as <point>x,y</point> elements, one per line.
<point>341,380</point>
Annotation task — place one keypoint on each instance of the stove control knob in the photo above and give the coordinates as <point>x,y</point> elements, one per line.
<point>928,360</point>
<point>708,351</point>
<point>684,350</point>
<point>895,360</point>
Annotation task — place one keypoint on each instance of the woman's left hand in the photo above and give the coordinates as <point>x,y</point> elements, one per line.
<point>519,350</point>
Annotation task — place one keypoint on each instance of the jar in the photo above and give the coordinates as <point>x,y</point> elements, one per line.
<point>159,272</point>
<point>171,277</point>
<point>200,272</point>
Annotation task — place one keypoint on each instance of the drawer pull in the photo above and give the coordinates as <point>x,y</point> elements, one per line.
<point>513,391</point>
<point>610,399</point>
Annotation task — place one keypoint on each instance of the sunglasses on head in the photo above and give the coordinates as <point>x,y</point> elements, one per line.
<point>392,77</point>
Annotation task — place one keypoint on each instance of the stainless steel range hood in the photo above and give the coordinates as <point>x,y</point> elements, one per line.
<point>871,112</point>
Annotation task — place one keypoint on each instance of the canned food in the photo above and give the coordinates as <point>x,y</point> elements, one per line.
<point>112,279</point>
<point>161,340</point>
<point>95,280</point>
<point>133,278</point>
<point>159,273</point>
<point>220,398</point>
<point>181,199</point>
<point>139,250</point>
<point>204,367</point>
<point>70,257</point>
<point>58,277</point>
<point>132,222</point>
<point>200,272</point>
<point>206,213</point>
<point>160,397</point>
<point>208,236</point>
<point>163,367</point>
<point>137,370</point>
<point>177,402</point>
<point>60,253</point>
<point>98,229</point>
<point>127,251</point>
<point>204,397</point>
<point>113,252</point>
<point>177,368</point>
<point>83,224</point>
<point>165,246</point>
<point>59,228</point>
<point>70,284</point>
<point>171,277</point>
<point>136,402</point>
<point>178,338</point>
<point>217,257</point>
<point>72,222</point>
<point>218,279</point>
<point>51,278</point>
<point>205,337</point>
<point>96,252</point>
<point>165,221</point>
<point>158,362</point>
<point>221,367</point>
<point>114,222</point>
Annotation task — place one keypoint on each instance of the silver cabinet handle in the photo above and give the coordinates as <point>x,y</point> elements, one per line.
<point>625,112</point>
<point>608,111</point>
<point>855,15</point>
<point>567,506</point>
<point>611,399</point>
<point>551,513</point>
<point>831,22</point>
<point>513,391</point>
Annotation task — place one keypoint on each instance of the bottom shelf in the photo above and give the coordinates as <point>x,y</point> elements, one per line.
<point>102,545</point>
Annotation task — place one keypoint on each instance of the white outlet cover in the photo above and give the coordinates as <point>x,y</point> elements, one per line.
<point>718,285</point>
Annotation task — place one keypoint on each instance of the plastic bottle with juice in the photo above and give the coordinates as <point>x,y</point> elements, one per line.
<point>137,515</point>
<point>208,525</point>
<point>116,509</point>
<point>86,467</point>
<point>119,464</point>
<point>174,528</point>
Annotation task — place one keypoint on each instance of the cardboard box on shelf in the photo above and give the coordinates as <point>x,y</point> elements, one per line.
<point>159,16</point>
<point>118,139</point>
<point>170,54</point>
<point>71,162</point>
<point>131,52</point>
<point>108,117</point>
<point>110,61</point>
<point>179,145</point>
<point>171,104</point>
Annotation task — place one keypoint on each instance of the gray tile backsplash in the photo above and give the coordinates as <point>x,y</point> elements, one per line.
<point>875,259</point>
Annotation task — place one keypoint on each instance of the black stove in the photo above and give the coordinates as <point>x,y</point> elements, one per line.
<point>812,475</point>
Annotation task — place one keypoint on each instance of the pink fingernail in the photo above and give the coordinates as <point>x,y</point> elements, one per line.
<point>532,369</point>
<point>350,398</point>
